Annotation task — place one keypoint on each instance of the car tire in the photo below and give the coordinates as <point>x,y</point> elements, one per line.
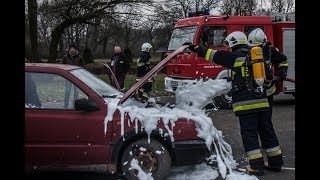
<point>150,159</point>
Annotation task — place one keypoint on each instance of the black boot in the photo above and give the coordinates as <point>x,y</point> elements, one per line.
<point>274,163</point>
<point>256,167</point>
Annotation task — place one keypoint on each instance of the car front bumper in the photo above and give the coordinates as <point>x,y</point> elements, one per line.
<point>190,152</point>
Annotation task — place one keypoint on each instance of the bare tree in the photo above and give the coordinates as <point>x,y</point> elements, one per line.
<point>32,13</point>
<point>282,6</point>
<point>77,12</point>
<point>277,5</point>
<point>239,7</point>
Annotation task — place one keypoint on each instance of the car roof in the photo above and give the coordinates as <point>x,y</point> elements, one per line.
<point>66,67</point>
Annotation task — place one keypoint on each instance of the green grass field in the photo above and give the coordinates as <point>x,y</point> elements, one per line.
<point>157,88</point>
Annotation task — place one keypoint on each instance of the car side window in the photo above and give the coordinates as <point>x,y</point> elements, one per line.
<point>50,91</point>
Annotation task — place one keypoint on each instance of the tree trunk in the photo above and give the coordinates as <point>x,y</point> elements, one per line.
<point>55,37</point>
<point>104,47</point>
<point>58,31</point>
<point>32,12</point>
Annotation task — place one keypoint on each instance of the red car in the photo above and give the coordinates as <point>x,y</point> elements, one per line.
<point>65,110</point>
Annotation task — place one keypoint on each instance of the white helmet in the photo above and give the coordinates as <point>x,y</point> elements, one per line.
<point>257,37</point>
<point>236,38</point>
<point>146,47</point>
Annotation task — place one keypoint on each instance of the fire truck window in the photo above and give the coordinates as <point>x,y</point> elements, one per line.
<point>248,29</point>
<point>204,36</point>
<point>217,35</point>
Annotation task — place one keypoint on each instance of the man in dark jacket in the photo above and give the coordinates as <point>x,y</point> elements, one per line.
<point>119,65</point>
<point>250,104</point>
<point>73,57</point>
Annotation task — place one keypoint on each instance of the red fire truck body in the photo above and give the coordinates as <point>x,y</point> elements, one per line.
<point>210,31</point>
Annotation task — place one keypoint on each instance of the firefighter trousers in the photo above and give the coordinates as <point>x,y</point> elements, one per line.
<point>255,125</point>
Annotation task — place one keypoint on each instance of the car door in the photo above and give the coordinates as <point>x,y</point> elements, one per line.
<point>56,133</point>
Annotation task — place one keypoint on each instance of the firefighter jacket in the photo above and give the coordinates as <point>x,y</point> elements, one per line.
<point>143,64</point>
<point>119,63</point>
<point>277,61</point>
<point>244,98</point>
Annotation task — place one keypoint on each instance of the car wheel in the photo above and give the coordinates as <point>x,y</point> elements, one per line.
<point>152,157</point>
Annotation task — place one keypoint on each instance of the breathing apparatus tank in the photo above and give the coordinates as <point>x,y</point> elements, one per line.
<point>259,73</point>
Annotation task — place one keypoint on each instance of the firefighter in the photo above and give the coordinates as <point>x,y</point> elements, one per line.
<point>143,67</point>
<point>250,102</point>
<point>274,60</point>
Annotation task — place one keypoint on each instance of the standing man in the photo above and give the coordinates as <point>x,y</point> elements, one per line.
<point>120,66</point>
<point>250,103</point>
<point>143,67</point>
<point>72,57</point>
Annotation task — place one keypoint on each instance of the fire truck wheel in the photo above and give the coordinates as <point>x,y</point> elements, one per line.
<point>152,158</point>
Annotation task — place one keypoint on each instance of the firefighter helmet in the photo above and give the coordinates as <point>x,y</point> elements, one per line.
<point>257,37</point>
<point>146,47</point>
<point>235,38</point>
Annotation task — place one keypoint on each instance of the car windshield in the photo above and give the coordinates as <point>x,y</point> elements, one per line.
<point>96,84</point>
<point>181,35</point>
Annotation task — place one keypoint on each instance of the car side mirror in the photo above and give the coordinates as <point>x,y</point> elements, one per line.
<point>84,104</point>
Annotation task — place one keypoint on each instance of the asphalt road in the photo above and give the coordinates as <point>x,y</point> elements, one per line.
<point>227,122</point>
<point>283,119</point>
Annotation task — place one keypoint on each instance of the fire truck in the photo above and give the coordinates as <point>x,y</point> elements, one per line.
<point>210,31</point>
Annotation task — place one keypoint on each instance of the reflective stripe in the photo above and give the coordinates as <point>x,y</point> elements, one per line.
<point>271,90</point>
<point>211,55</point>
<point>150,80</point>
<point>255,156</point>
<point>273,149</point>
<point>274,153</point>
<point>121,62</point>
<point>283,64</point>
<point>208,54</point>
<point>253,101</point>
<point>140,64</point>
<point>244,72</point>
<point>256,151</point>
<point>238,64</point>
<point>233,73</point>
<point>138,79</point>
<point>250,106</point>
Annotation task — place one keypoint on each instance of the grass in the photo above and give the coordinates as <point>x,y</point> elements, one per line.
<point>157,87</point>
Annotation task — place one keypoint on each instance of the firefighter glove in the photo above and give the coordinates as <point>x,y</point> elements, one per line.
<point>200,50</point>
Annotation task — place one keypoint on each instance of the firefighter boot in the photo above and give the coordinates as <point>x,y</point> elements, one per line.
<point>256,167</point>
<point>272,168</point>
<point>274,163</point>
